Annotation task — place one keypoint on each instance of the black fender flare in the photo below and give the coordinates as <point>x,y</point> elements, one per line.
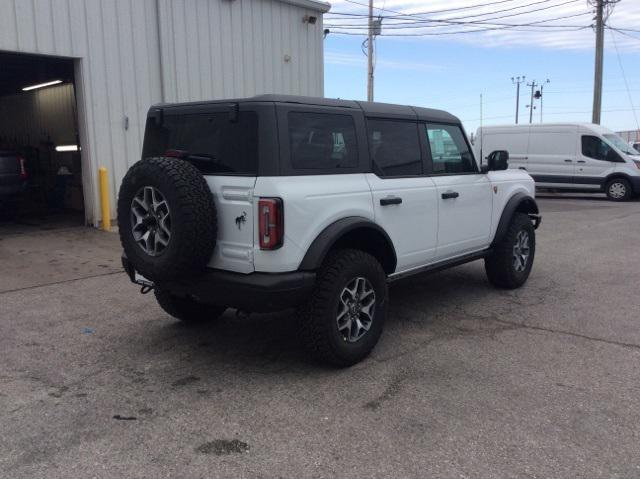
<point>518,202</point>
<point>331,235</point>
<point>613,176</point>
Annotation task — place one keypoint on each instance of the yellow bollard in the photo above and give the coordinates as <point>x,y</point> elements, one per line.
<point>104,199</point>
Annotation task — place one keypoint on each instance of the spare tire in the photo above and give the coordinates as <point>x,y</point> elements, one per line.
<point>167,218</point>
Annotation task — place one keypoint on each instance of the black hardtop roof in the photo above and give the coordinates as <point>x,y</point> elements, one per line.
<point>370,109</point>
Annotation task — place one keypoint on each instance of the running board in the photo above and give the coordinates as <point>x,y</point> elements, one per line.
<point>449,263</point>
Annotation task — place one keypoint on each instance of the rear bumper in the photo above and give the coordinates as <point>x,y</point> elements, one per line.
<point>255,292</point>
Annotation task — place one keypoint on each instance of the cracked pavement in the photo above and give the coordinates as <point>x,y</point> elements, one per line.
<point>467,381</point>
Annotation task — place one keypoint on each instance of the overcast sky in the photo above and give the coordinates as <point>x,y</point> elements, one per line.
<point>421,61</point>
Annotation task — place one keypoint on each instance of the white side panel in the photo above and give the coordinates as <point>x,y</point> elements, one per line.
<point>505,184</point>
<point>311,203</point>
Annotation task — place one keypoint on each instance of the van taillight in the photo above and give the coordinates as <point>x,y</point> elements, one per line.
<point>23,168</point>
<point>270,223</point>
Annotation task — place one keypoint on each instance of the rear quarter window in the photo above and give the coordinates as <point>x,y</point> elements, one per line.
<point>211,141</point>
<point>322,141</point>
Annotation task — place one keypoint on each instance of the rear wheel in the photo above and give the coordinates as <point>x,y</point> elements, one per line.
<point>510,263</point>
<point>188,309</point>
<point>618,189</point>
<point>344,318</point>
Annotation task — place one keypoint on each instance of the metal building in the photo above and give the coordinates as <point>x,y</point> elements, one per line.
<point>115,58</point>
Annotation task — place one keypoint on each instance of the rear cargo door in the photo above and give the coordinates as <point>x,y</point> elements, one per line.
<point>221,141</point>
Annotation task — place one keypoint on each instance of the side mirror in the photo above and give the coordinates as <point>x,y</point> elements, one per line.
<point>496,161</point>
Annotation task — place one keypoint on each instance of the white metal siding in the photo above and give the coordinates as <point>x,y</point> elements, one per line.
<point>204,49</point>
<point>225,49</point>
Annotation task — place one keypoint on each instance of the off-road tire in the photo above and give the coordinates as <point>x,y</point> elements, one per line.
<point>623,183</point>
<point>319,328</point>
<point>187,309</point>
<point>499,266</point>
<point>193,218</point>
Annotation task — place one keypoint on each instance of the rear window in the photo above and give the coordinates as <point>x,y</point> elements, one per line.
<point>322,141</point>
<point>212,142</point>
<point>9,165</point>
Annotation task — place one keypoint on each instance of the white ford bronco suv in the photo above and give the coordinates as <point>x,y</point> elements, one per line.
<point>276,202</point>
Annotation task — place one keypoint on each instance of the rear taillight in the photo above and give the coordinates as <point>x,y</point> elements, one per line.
<point>176,153</point>
<point>23,168</point>
<point>270,223</point>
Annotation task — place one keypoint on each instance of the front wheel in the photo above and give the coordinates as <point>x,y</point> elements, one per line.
<point>618,189</point>
<point>510,263</point>
<point>344,318</point>
<point>187,309</point>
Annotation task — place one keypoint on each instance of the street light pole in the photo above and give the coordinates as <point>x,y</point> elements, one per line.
<point>517,82</point>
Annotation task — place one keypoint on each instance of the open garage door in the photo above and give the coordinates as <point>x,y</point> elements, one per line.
<point>40,155</point>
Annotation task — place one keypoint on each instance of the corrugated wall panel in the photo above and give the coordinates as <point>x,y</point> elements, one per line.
<point>130,54</point>
<point>215,49</point>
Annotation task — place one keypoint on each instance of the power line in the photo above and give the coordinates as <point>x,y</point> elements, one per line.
<point>469,7</point>
<point>624,76</point>
<point>442,23</point>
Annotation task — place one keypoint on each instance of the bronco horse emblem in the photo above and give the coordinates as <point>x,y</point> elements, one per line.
<point>242,219</point>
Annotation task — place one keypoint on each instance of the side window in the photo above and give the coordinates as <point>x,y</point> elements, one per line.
<point>395,148</point>
<point>594,147</point>
<point>449,150</point>
<point>322,141</point>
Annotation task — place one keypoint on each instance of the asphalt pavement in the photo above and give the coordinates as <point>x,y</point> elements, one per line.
<point>466,382</point>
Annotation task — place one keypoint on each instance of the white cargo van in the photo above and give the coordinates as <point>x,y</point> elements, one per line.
<point>575,156</point>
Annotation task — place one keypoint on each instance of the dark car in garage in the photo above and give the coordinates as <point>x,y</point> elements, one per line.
<point>13,177</point>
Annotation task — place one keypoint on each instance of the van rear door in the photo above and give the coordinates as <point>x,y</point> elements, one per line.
<point>10,178</point>
<point>221,140</point>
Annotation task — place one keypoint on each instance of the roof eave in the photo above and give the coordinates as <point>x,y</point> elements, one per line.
<point>322,7</point>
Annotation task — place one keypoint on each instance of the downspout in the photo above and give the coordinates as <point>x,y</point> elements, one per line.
<point>162,92</point>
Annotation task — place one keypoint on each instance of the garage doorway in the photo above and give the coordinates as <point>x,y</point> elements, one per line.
<point>40,154</point>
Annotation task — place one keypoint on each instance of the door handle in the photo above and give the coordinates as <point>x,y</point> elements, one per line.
<point>450,194</point>
<point>581,161</point>
<point>390,200</point>
<point>568,161</point>
<point>522,168</point>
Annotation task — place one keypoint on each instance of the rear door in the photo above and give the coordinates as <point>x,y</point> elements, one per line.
<point>404,199</point>
<point>464,195</point>
<point>552,155</point>
<point>222,142</point>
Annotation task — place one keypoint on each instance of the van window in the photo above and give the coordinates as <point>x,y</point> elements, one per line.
<point>395,148</point>
<point>552,143</point>
<point>322,141</point>
<point>211,141</point>
<point>594,147</point>
<point>449,150</point>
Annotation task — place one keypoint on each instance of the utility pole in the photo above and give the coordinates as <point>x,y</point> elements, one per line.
<point>517,82</point>
<point>542,97</point>
<point>531,107</point>
<point>370,54</point>
<point>597,81</point>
